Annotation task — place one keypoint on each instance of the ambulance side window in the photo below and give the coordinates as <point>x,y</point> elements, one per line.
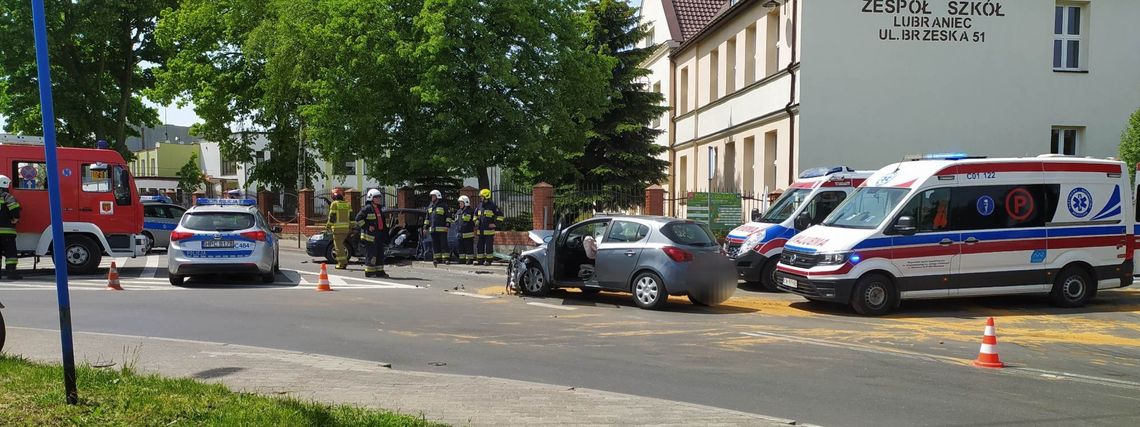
<point>1001,206</point>
<point>930,210</point>
<point>29,176</point>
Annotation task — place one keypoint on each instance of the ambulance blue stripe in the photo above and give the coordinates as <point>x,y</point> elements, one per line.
<point>800,249</point>
<point>1113,202</point>
<point>1035,233</point>
<point>1087,231</point>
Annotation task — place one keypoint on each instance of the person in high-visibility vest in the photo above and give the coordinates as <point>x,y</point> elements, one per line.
<point>340,224</point>
<point>9,217</point>
<point>437,222</point>
<point>374,234</point>
<point>488,217</point>
<point>465,215</point>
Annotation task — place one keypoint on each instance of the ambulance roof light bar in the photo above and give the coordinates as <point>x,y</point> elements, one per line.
<point>225,202</point>
<point>942,156</point>
<point>824,171</point>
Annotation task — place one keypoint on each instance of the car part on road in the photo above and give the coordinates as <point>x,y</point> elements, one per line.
<point>649,291</point>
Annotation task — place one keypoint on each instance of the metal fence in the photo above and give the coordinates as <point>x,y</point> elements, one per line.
<point>517,204</point>
<point>581,202</point>
<point>752,204</point>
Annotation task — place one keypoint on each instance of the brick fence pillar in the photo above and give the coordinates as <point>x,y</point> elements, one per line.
<point>307,205</point>
<point>655,200</point>
<point>405,198</point>
<point>543,216</point>
<point>265,202</point>
<point>353,197</point>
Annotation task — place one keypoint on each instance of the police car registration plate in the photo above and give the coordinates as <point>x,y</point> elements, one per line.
<point>217,244</point>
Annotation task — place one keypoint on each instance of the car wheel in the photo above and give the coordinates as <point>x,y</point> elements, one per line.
<point>534,282</point>
<point>176,280</point>
<point>82,254</point>
<point>768,275</point>
<point>277,264</point>
<point>696,301</point>
<point>330,254</point>
<point>148,242</point>
<point>874,295</point>
<point>269,277</point>
<point>649,291</point>
<point>1073,288</point>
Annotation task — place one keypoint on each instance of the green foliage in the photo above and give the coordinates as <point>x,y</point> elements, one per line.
<point>190,177</point>
<point>620,158</point>
<point>523,222</point>
<point>95,50</point>
<point>1130,144</point>
<point>33,396</point>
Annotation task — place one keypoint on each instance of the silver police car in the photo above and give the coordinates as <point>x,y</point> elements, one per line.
<point>223,237</point>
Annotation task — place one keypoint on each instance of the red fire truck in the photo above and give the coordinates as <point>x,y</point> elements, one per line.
<point>101,209</point>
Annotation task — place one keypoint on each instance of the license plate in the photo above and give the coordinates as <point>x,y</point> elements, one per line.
<point>217,244</point>
<point>791,283</point>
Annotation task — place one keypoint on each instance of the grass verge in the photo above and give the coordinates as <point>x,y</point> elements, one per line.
<point>31,394</point>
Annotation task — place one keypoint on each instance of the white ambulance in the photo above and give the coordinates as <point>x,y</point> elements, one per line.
<point>954,226</point>
<point>755,246</point>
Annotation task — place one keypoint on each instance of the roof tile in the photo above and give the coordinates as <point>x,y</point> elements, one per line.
<point>694,15</point>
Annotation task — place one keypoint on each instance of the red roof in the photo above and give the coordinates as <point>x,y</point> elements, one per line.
<point>694,15</point>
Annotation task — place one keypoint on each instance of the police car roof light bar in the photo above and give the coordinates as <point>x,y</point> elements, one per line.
<point>226,202</point>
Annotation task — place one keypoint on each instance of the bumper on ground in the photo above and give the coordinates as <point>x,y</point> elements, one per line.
<point>821,289</point>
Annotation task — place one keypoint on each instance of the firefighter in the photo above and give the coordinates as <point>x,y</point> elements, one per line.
<point>9,217</point>
<point>465,215</point>
<point>488,217</point>
<point>437,222</point>
<point>373,233</point>
<point>340,224</point>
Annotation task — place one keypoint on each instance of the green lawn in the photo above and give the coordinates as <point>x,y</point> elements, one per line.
<point>31,394</point>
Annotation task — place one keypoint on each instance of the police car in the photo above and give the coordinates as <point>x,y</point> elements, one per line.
<point>223,237</point>
<point>160,217</point>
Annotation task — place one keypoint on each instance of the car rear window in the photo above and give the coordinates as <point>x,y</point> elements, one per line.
<point>689,233</point>
<point>217,221</point>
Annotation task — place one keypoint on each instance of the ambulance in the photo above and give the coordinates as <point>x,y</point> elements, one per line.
<point>954,226</point>
<point>102,214</point>
<point>755,247</point>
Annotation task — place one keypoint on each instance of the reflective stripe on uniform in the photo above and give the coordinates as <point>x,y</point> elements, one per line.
<point>7,231</point>
<point>441,229</point>
<point>467,235</point>
<point>367,238</point>
<point>13,206</point>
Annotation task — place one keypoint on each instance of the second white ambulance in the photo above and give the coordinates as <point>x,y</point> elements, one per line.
<point>958,226</point>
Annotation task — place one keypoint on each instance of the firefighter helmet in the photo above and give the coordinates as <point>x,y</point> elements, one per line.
<point>373,193</point>
<point>5,181</point>
<point>436,193</point>
<point>485,193</point>
<point>465,200</point>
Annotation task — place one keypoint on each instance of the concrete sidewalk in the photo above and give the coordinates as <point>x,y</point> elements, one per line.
<point>447,398</point>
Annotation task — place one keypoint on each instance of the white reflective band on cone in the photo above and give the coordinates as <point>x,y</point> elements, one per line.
<point>988,349</point>
<point>989,331</point>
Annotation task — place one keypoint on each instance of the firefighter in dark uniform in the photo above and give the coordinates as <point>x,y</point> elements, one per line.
<point>487,216</point>
<point>465,215</point>
<point>9,217</point>
<point>437,222</point>
<point>373,234</point>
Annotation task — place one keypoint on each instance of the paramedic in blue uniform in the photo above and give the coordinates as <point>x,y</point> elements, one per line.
<point>373,233</point>
<point>437,222</point>
<point>487,216</point>
<point>9,217</point>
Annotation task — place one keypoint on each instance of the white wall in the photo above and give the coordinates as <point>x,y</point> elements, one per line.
<point>868,102</point>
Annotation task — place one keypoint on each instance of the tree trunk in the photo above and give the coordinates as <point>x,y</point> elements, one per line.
<point>484,178</point>
<point>126,79</point>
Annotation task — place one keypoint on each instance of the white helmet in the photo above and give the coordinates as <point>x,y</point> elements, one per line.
<point>465,200</point>
<point>436,193</point>
<point>372,193</point>
<point>5,181</point>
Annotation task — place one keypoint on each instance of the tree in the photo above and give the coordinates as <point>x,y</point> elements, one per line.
<point>1130,144</point>
<point>238,63</point>
<point>620,159</point>
<point>190,177</point>
<point>99,53</point>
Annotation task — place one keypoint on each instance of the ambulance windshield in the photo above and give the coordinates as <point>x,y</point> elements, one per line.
<point>867,208</point>
<point>785,206</point>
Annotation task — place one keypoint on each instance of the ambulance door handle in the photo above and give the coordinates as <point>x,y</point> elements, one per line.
<point>946,242</point>
<point>971,240</point>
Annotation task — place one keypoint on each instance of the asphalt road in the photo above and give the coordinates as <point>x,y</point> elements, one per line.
<point>772,354</point>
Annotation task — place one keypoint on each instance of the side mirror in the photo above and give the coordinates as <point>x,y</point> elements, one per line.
<point>905,226</point>
<point>802,222</point>
<point>276,229</point>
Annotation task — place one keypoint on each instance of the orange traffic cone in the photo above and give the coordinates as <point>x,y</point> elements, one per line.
<point>323,283</point>
<point>113,278</point>
<point>988,355</point>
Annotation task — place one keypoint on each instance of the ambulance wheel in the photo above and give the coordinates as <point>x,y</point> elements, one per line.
<point>874,295</point>
<point>82,254</point>
<point>768,275</point>
<point>1073,288</point>
<point>176,280</point>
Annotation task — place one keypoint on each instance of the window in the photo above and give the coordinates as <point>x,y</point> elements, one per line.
<point>683,92</point>
<point>96,178</point>
<point>30,175</point>
<point>656,122</point>
<point>1003,206</point>
<point>750,55</point>
<point>930,210</point>
<point>714,75</point>
<point>627,232</point>
<point>153,167</point>
<point>346,168</point>
<point>649,37</point>
<point>771,43</point>
<point>1067,31</point>
<point>866,208</point>
<point>1065,140</point>
<point>229,168</point>
<point>122,185</point>
<point>822,205</point>
<point>217,221</point>
<point>785,206</point>
<point>689,233</point>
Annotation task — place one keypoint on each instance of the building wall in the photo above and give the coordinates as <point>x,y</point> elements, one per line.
<point>660,68</point>
<point>164,160</point>
<point>868,102</point>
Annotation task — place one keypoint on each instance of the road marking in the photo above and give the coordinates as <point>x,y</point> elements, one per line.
<point>1008,370</point>
<point>558,307</point>
<point>465,294</point>
<point>120,262</point>
<point>376,282</point>
<point>151,269</point>
<point>337,280</point>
